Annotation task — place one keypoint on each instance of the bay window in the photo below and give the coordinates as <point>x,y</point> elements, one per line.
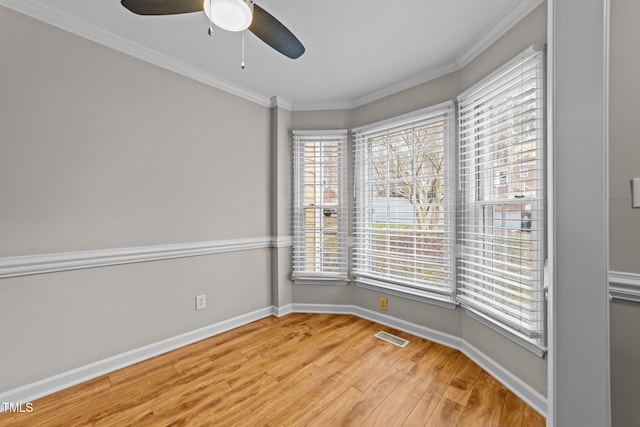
<point>444,212</point>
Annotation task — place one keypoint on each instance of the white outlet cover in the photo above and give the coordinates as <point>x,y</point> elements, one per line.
<point>201,302</point>
<point>635,192</point>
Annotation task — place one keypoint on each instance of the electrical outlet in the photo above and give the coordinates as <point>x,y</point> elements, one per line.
<point>201,302</point>
<point>382,303</point>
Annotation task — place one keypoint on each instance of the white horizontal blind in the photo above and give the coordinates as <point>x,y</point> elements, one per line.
<point>319,210</point>
<point>501,217</point>
<point>404,191</point>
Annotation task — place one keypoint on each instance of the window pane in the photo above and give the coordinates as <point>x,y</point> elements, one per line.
<point>320,189</point>
<point>404,205</point>
<point>501,167</point>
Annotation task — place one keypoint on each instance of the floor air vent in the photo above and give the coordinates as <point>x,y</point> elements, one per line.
<point>385,336</point>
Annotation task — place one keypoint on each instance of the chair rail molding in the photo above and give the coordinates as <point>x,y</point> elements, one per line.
<point>47,263</point>
<point>624,286</point>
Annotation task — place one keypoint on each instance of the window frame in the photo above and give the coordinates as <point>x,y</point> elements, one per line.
<point>442,296</point>
<point>472,202</point>
<point>321,273</point>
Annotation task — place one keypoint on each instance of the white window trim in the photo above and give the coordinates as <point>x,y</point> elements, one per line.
<point>433,296</point>
<point>321,278</point>
<point>537,347</point>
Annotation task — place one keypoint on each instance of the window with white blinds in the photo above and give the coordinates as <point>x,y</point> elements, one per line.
<point>502,212</point>
<point>404,210</point>
<point>320,208</point>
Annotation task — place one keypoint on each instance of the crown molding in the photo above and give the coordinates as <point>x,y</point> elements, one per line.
<point>416,80</point>
<point>505,24</point>
<point>323,106</point>
<point>280,102</point>
<point>100,36</point>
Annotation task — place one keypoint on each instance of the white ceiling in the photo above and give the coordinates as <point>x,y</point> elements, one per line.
<point>356,50</point>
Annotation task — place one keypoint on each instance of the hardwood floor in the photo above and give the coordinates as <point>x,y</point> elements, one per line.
<point>298,370</point>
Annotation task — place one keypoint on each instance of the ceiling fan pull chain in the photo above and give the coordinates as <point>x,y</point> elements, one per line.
<point>210,30</point>
<point>242,63</point>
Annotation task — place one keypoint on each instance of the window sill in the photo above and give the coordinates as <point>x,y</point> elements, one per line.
<point>441,300</point>
<point>316,280</point>
<point>520,339</point>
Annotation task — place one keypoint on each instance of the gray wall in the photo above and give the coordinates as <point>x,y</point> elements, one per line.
<point>523,364</point>
<point>100,150</point>
<point>624,144</point>
<point>625,356</point>
<point>624,222</point>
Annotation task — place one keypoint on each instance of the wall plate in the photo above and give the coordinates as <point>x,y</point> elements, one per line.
<point>201,302</point>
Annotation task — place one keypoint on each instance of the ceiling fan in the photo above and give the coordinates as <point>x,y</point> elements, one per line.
<point>231,15</point>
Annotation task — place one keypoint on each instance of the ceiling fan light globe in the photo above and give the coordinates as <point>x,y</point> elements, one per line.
<point>230,15</point>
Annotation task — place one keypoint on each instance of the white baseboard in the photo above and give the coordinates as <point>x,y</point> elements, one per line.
<point>282,311</point>
<point>525,392</point>
<point>324,308</point>
<point>46,386</point>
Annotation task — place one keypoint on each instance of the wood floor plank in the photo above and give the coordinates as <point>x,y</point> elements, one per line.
<point>422,411</point>
<point>251,393</point>
<point>337,413</point>
<point>306,381</point>
<point>301,369</point>
<point>444,368</point>
<point>512,411</point>
<point>312,404</point>
<point>459,388</point>
<point>401,402</point>
<point>189,395</point>
<point>484,405</point>
<point>361,409</point>
<point>447,413</point>
<point>150,372</point>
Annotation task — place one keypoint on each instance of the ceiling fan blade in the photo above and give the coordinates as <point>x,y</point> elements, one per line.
<point>275,34</point>
<point>163,7</point>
